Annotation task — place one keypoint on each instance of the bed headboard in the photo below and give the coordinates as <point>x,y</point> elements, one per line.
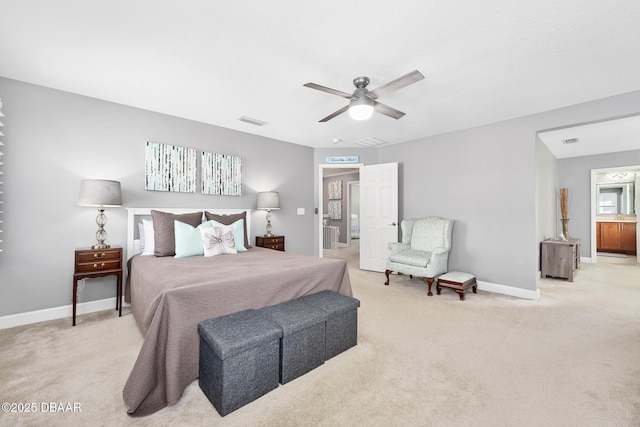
<point>135,216</point>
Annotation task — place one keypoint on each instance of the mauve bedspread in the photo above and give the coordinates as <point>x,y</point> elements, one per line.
<point>169,297</point>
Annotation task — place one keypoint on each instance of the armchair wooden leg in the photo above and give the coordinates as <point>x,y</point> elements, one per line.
<point>429,281</point>
<point>387,272</point>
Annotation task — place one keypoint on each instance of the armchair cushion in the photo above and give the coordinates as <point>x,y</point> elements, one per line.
<point>395,247</point>
<point>428,234</point>
<point>411,257</point>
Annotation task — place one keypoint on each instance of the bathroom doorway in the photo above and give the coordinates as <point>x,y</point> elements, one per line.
<point>614,214</point>
<point>340,208</point>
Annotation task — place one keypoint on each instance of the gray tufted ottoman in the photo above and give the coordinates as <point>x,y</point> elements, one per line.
<point>302,344</point>
<point>239,359</point>
<point>342,322</point>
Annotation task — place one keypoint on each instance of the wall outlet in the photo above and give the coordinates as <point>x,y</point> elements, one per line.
<point>300,211</point>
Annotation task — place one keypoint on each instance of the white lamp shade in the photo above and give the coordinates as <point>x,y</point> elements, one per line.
<point>269,200</point>
<point>98,192</point>
<point>361,108</point>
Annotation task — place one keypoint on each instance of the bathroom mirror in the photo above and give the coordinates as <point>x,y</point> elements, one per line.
<point>616,198</point>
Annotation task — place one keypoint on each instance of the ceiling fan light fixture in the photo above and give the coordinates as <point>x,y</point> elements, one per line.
<point>361,108</point>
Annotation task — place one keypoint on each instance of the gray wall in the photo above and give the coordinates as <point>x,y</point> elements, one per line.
<point>575,174</point>
<point>486,178</point>
<point>547,191</point>
<point>55,139</point>
<point>489,179</point>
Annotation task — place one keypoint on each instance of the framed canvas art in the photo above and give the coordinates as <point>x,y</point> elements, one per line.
<point>170,168</point>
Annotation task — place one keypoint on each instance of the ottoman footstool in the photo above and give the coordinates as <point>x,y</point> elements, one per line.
<point>458,281</point>
<point>239,359</point>
<point>302,345</point>
<point>341,331</point>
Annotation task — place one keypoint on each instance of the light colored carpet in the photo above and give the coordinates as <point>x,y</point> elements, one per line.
<point>568,359</point>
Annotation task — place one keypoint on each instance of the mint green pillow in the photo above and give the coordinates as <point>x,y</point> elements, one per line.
<point>237,229</point>
<point>189,239</point>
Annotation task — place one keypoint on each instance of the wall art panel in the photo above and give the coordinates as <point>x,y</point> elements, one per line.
<point>170,168</point>
<point>334,189</point>
<point>221,174</point>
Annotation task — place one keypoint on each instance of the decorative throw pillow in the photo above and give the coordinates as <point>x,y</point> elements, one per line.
<point>230,219</point>
<point>149,238</point>
<point>189,239</point>
<point>218,241</point>
<point>237,228</point>
<point>164,232</point>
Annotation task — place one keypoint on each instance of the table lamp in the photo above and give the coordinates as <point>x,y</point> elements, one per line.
<point>100,193</point>
<point>269,200</point>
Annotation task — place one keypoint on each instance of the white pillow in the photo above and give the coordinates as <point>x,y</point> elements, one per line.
<point>149,242</point>
<point>218,240</point>
<point>141,234</point>
<point>237,228</point>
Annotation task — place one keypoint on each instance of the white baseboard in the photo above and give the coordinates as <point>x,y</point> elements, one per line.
<point>508,290</point>
<point>20,319</point>
<point>586,259</point>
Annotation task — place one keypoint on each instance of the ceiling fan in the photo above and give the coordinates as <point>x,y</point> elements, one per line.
<point>363,101</point>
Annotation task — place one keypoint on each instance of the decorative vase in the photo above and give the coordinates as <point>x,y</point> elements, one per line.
<point>565,227</point>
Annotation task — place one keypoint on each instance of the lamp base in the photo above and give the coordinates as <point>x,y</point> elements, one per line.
<point>101,246</point>
<point>268,233</point>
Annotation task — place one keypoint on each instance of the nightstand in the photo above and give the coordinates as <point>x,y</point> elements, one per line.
<point>560,258</point>
<point>92,263</point>
<point>273,242</point>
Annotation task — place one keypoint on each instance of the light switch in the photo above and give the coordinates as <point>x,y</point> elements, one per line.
<point>300,211</point>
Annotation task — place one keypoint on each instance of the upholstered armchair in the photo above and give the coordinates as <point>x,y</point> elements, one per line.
<point>424,250</point>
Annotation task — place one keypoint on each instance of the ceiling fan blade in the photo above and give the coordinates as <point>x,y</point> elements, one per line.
<point>399,83</point>
<point>329,90</point>
<point>387,111</point>
<point>337,113</point>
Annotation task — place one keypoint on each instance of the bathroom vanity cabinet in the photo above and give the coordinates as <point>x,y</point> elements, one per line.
<point>616,236</point>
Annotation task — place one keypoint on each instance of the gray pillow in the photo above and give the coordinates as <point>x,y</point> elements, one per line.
<point>230,219</point>
<point>164,232</point>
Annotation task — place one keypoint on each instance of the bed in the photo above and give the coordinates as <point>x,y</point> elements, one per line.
<point>170,296</point>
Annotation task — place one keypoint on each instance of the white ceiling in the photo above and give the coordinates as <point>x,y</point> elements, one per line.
<point>215,61</point>
<point>595,138</point>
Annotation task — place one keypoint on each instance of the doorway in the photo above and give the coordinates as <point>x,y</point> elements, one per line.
<point>339,211</point>
<point>611,207</point>
<point>353,206</point>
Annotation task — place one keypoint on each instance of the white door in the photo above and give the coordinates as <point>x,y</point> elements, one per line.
<point>378,214</point>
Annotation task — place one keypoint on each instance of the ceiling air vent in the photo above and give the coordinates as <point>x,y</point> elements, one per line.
<point>252,121</point>
<point>370,142</point>
<point>570,141</point>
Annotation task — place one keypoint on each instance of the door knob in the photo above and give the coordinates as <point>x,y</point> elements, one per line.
<point>393,223</point>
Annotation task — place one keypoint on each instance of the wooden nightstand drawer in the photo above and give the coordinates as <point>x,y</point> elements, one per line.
<point>99,255</point>
<point>275,242</point>
<point>98,265</point>
<point>277,247</point>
